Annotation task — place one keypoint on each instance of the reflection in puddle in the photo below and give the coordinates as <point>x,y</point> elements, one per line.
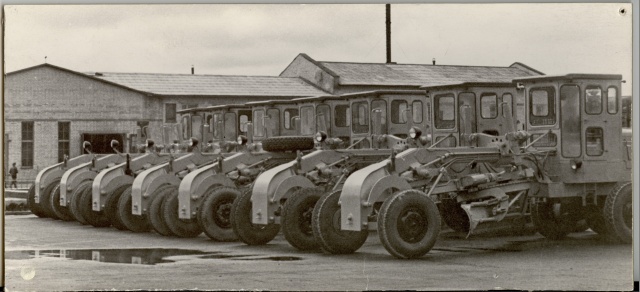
<point>141,256</point>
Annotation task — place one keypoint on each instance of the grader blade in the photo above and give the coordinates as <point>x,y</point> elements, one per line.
<point>493,207</point>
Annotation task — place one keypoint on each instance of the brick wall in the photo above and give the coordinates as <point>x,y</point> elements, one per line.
<point>304,68</point>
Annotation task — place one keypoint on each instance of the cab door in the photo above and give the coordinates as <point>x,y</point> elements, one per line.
<point>467,119</point>
<point>601,127</point>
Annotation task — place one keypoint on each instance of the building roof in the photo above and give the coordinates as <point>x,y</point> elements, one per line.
<point>422,74</point>
<point>212,85</point>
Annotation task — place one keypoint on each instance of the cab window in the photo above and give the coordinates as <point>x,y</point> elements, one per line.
<point>445,111</point>
<point>612,100</point>
<point>208,123</point>
<point>399,112</point>
<point>217,119</point>
<point>258,123</point>
<point>570,121</point>
<point>360,117</point>
<point>489,103</point>
<point>342,116</point>
<point>323,118</point>
<point>273,121</point>
<point>542,106</point>
<point>307,120</point>
<point>196,127</point>
<point>185,127</point>
<point>382,106</point>
<point>288,118</point>
<point>244,119</point>
<point>593,100</point>
<point>594,137</point>
<point>416,111</point>
<point>507,107</point>
<point>230,126</point>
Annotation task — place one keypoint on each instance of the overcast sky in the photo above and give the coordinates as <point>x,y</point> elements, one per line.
<point>264,39</point>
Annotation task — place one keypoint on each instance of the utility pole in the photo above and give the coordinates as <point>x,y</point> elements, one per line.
<point>388,33</point>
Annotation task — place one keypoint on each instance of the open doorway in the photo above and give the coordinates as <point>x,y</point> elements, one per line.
<point>101,142</point>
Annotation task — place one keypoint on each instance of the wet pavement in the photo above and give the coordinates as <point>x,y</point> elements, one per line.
<point>43,255</point>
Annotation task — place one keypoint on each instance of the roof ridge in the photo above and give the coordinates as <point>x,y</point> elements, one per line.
<point>92,73</point>
<point>414,64</point>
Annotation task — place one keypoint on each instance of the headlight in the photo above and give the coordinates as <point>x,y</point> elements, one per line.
<point>242,140</point>
<point>321,136</point>
<point>193,142</point>
<point>575,164</point>
<point>149,143</point>
<point>415,132</point>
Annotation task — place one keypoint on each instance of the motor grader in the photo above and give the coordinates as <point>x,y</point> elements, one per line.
<point>570,131</point>
<point>205,196</point>
<point>371,124</point>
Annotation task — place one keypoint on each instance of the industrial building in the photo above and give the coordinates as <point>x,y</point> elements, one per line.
<point>50,110</point>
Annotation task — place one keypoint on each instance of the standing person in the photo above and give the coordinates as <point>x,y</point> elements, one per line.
<point>14,175</point>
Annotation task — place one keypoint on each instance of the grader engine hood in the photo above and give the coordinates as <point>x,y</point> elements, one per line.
<point>54,172</point>
<point>111,178</point>
<point>87,171</point>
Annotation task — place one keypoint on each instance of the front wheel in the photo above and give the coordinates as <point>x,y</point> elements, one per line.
<point>618,212</point>
<point>155,212</point>
<point>408,224</point>
<point>296,218</point>
<point>215,213</point>
<point>31,202</point>
<point>133,223</point>
<point>325,223</point>
<point>553,219</point>
<point>61,212</point>
<point>247,232</point>
<point>96,219</point>
<point>73,202</point>
<point>170,209</point>
<point>45,197</point>
<point>111,206</point>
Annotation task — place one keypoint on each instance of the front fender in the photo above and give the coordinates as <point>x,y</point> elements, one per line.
<point>54,172</point>
<point>68,176</point>
<point>264,187</point>
<point>72,178</point>
<point>193,187</point>
<point>139,194</point>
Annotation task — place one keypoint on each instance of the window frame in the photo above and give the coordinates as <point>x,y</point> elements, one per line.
<point>586,107</point>
<point>347,115</point>
<point>436,108</point>
<point>551,110</point>
<point>292,112</point>
<point>396,113</point>
<point>168,118</point>
<point>586,141</point>
<point>357,127</point>
<point>616,98</point>
<point>27,153</point>
<point>64,143</point>
<point>495,102</point>
<point>413,111</point>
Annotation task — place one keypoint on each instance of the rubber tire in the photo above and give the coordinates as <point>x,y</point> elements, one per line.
<point>111,207</point>
<point>95,219</point>
<point>133,223</point>
<point>215,227</point>
<point>548,224</point>
<point>388,222</point>
<point>45,200</point>
<point>61,212</point>
<point>31,202</point>
<point>155,212</point>
<point>454,216</point>
<point>295,225</point>
<point>73,202</point>
<point>170,209</point>
<point>618,206</point>
<point>247,232</point>
<point>325,223</point>
<point>288,143</point>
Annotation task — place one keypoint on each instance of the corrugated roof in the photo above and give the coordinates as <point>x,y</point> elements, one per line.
<point>421,74</point>
<point>211,85</point>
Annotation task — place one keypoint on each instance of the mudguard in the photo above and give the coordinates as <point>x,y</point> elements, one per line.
<point>151,179</point>
<point>266,187</point>
<point>55,172</point>
<point>111,178</point>
<point>195,185</point>
<point>76,175</point>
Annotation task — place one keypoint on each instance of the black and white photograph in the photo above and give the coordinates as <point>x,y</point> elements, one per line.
<point>421,146</point>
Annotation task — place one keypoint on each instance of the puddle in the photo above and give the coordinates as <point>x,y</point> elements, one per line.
<point>141,256</point>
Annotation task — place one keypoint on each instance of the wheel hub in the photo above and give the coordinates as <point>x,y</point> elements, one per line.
<point>305,221</point>
<point>223,215</point>
<point>412,225</point>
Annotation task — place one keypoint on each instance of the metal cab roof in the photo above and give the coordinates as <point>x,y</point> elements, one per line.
<point>468,84</point>
<point>569,77</point>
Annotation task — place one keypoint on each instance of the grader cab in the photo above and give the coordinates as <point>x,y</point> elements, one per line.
<point>376,123</point>
<point>571,132</point>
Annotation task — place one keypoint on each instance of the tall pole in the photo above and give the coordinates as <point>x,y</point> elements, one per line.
<point>388,33</point>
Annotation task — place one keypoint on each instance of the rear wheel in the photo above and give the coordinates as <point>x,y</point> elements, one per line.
<point>215,213</point>
<point>73,201</point>
<point>618,212</point>
<point>61,212</point>
<point>325,223</point>
<point>131,222</point>
<point>31,202</point>
<point>155,212</point>
<point>170,209</point>
<point>45,197</point>
<point>111,207</point>
<point>247,232</point>
<point>408,224</point>
<point>296,218</point>
<point>96,219</point>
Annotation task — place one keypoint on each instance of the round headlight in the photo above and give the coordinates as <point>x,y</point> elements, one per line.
<point>415,132</point>
<point>149,143</point>
<point>321,136</point>
<point>193,142</point>
<point>242,140</point>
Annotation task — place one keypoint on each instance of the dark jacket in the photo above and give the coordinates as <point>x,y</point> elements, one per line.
<point>14,172</point>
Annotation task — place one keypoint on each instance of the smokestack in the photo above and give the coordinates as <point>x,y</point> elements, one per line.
<point>192,70</point>
<point>433,61</point>
<point>388,33</point>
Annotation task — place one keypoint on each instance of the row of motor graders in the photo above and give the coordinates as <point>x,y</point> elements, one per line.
<point>327,170</point>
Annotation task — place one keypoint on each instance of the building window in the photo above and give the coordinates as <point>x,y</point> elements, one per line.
<point>27,144</point>
<point>64,129</point>
<point>170,113</point>
<point>187,106</point>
